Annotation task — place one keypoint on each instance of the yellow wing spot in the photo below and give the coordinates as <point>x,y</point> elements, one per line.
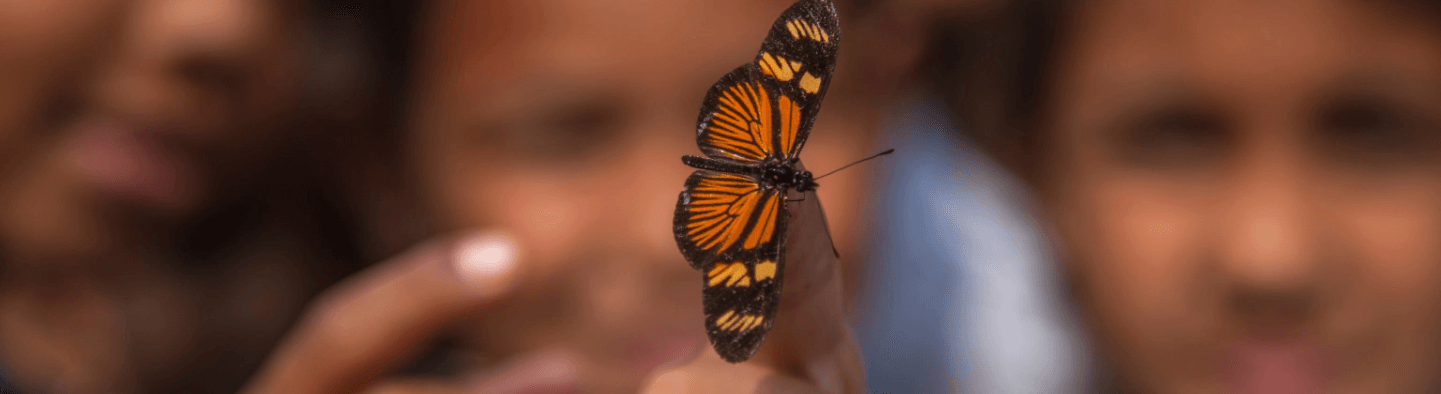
<point>778,67</point>
<point>810,83</point>
<point>765,270</point>
<point>725,319</point>
<point>740,322</point>
<point>756,323</point>
<point>803,28</point>
<point>733,274</point>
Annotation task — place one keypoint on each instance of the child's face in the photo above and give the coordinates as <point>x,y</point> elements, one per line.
<point>117,116</point>
<point>1249,193</point>
<point>562,123</point>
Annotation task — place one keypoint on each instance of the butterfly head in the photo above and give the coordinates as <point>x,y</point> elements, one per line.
<point>785,174</point>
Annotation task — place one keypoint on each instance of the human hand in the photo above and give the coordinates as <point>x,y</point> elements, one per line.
<point>362,329</point>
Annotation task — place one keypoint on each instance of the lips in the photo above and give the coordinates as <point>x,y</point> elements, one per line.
<point>1276,367</point>
<point>135,165</point>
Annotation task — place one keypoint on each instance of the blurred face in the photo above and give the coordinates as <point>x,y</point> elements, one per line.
<point>120,119</point>
<point>118,116</point>
<point>1249,193</point>
<point>562,123</point>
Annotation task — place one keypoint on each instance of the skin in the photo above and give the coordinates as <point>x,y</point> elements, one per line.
<point>400,301</point>
<point>1239,185</point>
<point>123,124</point>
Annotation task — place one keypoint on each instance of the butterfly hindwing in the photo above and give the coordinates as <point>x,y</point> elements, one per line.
<point>741,297</point>
<point>733,230</point>
<point>722,215</point>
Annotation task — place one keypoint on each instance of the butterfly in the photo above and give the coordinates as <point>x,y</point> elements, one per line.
<point>730,222</point>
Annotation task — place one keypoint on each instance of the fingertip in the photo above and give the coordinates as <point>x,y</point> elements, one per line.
<point>486,260</point>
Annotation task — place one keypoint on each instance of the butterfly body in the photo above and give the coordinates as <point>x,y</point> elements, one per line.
<point>730,221</point>
<point>772,173</point>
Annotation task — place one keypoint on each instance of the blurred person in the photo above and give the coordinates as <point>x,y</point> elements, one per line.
<point>161,221</point>
<point>957,294</point>
<point>545,139</point>
<point>1244,196</point>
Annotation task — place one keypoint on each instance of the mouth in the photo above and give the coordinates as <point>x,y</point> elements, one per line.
<point>1284,366</point>
<point>135,164</point>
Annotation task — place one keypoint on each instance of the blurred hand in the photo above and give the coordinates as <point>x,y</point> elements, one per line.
<point>809,350</point>
<point>355,334</point>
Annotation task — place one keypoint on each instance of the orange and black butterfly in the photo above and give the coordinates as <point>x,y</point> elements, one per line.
<point>730,221</point>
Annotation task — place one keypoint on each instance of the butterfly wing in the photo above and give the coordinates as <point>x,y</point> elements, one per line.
<point>738,117</point>
<point>723,215</point>
<point>799,54</point>
<point>741,298</point>
<point>733,229</point>
<point>766,108</point>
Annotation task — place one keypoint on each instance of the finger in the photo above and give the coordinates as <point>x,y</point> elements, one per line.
<point>415,386</point>
<point>708,373</point>
<point>811,261</point>
<point>542,372</point>
<point>812,336</point>
<point>359,329</point>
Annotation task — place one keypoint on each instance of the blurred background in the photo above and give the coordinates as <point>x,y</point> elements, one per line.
<point>1141,196</point>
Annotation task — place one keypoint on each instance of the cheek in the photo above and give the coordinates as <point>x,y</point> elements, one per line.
<point>1393,234</point>
<point>43,44</point>
<point>1131,247</point>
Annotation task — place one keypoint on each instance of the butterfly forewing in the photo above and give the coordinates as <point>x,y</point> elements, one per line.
<point>800,54</point>
<point>738,118</point>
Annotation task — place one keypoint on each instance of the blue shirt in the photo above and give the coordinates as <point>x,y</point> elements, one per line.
<point>960,295</point>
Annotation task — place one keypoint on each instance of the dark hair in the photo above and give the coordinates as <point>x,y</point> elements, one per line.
<point>993,72</point>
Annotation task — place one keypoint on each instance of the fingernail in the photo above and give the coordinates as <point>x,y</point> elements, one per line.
<point>485,259</point>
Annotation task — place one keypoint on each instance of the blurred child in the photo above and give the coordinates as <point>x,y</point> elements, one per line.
<point>1246,196</point>
<point>159,226</point>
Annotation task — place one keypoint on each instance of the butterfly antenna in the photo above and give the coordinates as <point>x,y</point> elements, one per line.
<point>887,152</point>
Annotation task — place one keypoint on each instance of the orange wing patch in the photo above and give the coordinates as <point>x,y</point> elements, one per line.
<point>742,122</point>
<point>765,225</point>
<point>803,28</point>
<point>719,206</point>
<point>778,67</point>
<point>790,123</point>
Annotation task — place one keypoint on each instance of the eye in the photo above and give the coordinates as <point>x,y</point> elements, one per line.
<point>564,133</point>
<point>580,130</point>
<point>1373,130</point>
<point>1178,135</point>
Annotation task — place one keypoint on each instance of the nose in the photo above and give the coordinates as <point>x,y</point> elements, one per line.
<point>1270,250</point>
